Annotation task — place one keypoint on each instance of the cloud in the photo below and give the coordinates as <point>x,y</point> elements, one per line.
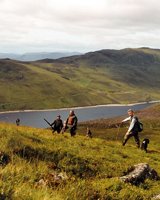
<point>82,25</point>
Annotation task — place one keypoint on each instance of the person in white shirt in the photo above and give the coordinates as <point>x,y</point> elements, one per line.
<point>133,129</point>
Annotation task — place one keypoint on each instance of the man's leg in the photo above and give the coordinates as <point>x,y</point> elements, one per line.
<point>126,138</point>
<point>73,131</point>
<point>136,137</point>
<point>58,130</point>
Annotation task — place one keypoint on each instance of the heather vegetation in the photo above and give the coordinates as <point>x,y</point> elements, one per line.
<point>40,165</point>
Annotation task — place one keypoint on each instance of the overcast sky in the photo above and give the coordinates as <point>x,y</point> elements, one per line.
<point>78,25</point>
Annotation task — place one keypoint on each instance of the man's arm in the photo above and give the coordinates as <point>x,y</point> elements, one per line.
<point>127,119</point>
<point>67,121</point>
<point>75,121</point>
<point>61,124</point>
<point>53,123</point>
<point>132,124</point>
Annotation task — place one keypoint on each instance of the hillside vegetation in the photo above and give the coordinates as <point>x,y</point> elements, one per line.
<point>102,77</point>
<point>90,168</point>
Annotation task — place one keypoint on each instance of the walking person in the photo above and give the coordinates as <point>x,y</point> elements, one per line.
<point>133,128</point>
<point>57,125</point>
<point>71,123</point>
<point>17,121</point>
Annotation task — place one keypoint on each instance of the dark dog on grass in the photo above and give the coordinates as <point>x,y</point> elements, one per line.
<point>144,144</point>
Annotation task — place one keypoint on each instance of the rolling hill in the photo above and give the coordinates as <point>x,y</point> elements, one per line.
<point>101,77</point>
<point>36,164</point>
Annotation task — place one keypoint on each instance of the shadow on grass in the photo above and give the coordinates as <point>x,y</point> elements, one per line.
<point>34,139</point>
<point>62,161</point>
<point>153,151</point>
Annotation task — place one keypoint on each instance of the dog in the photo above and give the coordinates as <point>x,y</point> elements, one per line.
<point>89,133</point>
<point>144,144</point>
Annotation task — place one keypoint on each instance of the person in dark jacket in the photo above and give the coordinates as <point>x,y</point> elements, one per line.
<point>71,123</point>
<point>57,125</point>
<point>133,129</point>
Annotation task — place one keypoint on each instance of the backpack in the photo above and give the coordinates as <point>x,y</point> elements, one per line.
<point>138,125</point>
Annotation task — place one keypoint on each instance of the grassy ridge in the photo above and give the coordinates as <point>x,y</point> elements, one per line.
<point>92,166</point>
<point>42,88</point>
<point>102,77</point>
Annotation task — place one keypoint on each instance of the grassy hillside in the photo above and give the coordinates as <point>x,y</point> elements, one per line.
<point>90,167</point>
<point>102,77</point>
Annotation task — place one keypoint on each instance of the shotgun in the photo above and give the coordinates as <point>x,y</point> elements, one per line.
<point>48,123</point>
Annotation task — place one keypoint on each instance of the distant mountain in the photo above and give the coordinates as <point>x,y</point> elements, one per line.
<point>37,56</point>
<point>141,56</point>
<point>140,66</point>
<point>9,55</point>
<point>100,77</point>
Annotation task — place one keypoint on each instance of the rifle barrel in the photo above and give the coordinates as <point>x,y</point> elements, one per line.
<point>47,122</point>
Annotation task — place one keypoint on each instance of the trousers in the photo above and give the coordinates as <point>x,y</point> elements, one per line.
<point>132,134</point>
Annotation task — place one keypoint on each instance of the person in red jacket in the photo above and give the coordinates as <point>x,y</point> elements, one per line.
<point>71,123</point>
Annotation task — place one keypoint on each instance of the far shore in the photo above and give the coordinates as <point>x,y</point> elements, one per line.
<point>81,107</point>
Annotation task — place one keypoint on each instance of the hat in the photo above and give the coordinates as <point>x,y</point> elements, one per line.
<point>58,116</point>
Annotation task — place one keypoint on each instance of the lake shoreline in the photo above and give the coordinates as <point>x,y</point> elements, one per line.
<point>80,107</point>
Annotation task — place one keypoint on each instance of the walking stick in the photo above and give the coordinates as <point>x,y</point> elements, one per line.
<point>118,132</point>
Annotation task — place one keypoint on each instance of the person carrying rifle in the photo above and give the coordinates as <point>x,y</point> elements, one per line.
<point>57,125</point>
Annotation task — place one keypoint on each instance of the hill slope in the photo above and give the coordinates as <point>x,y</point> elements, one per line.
<point>106,76</point>
<point>89,168</point>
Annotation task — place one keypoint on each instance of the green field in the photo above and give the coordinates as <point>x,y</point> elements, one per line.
<point>91,167</point>
<point>102,77</point>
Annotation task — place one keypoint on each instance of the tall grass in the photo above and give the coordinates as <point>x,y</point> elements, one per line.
<point>92,166</point>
